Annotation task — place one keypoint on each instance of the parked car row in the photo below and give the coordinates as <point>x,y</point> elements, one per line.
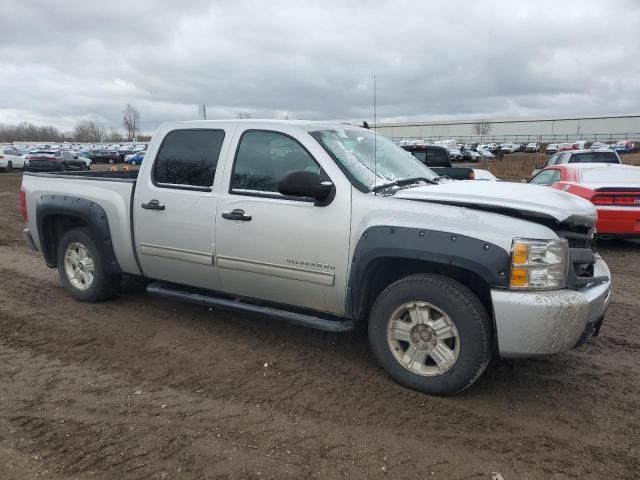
<point>66,156</point>
<point>623,146</point>
<point>56,160</point>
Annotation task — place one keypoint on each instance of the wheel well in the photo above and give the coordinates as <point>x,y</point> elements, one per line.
<point>53,228</point>
<point>385,271</point>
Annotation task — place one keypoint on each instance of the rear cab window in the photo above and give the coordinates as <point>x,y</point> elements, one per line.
<point>188,159</point>
<point>595,157</point>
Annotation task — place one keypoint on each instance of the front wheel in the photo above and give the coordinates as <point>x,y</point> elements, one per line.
<point>431,334</point>
<point>81,267</point>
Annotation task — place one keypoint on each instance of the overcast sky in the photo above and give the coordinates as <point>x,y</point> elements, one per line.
<point>65,61</point>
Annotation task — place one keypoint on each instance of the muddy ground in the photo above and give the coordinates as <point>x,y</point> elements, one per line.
<point>140,387</point>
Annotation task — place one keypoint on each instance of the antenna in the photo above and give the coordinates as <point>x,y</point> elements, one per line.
<point>375,131</point>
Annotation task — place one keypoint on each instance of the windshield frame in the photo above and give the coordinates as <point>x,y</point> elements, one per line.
<point>353,179</point>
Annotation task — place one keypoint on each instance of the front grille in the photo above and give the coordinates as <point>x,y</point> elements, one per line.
<point>582,247</point>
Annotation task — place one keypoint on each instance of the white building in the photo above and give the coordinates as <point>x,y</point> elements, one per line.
<point>604,128</point>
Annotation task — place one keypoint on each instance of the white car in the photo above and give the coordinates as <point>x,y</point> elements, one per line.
<point>10,158</point>
<point>532,147</point>
<point>475,156</point>
<point>87,161</point>
<point>485,153</point>
<point>507,148</point>
<point>552,148</point>
<point>455,154</point>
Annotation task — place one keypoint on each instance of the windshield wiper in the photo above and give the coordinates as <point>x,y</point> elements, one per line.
<point>402,182</point>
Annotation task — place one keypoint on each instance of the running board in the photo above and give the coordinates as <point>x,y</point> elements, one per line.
<point>165,290</point>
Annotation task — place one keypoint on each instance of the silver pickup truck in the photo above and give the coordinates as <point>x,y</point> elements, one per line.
<point>333,227</point>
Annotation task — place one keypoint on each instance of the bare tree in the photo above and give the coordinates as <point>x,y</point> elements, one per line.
<point>112,136</point>
<point>29,132</point>
<point>243,115</point>
<point>130,120</point>
<point>88,131</point>
<point>482,127</point>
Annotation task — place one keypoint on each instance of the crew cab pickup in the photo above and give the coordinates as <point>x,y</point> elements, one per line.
<point>332,227</point>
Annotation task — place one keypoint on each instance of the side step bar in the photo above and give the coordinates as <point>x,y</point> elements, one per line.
<point>164,290</point>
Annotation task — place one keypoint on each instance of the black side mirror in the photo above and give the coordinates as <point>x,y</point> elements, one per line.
<point>306,184</point>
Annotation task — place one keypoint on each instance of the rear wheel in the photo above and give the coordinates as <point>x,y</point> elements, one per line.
<point>81,267</point>
<point>431,334</point>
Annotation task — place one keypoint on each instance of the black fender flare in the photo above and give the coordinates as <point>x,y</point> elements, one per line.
<point>486,260</point>
<point>91,215</point>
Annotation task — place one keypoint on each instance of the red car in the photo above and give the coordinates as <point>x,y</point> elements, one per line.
<point>613,189</point>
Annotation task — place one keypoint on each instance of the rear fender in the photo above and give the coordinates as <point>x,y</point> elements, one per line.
<point>55,214</point>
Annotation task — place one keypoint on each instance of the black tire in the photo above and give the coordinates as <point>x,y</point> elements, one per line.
<point>9,166</point>
<point>104,285</point>
<point>463,308</point>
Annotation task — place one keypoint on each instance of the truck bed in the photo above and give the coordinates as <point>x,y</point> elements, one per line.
<point>112,191</point>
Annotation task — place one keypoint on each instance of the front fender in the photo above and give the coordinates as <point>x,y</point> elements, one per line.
<point>486,260</point>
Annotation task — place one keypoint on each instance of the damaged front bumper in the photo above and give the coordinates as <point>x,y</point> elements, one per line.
<point>542,323</point>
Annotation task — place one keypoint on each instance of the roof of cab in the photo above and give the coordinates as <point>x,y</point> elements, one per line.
<point>306,125</point>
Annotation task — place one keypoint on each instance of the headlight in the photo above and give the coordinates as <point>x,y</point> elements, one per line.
<point>538,264</point>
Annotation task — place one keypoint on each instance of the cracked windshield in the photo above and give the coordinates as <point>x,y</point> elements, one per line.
<point>354,150</point>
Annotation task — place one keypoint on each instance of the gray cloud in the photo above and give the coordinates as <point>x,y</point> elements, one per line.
<point>61,62</point>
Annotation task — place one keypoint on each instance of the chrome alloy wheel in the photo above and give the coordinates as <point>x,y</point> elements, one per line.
<point>78,266</point>
<point>423,339</point>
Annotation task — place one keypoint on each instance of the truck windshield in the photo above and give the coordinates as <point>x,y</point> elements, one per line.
<point>353,150</point>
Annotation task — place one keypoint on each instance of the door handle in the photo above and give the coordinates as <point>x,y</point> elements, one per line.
<point>153,205</point>
<point>236,214</point>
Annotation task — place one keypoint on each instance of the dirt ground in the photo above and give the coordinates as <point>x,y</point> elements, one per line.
<point>140,387</point>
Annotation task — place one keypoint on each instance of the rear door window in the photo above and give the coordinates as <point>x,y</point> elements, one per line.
<point>188,158</point>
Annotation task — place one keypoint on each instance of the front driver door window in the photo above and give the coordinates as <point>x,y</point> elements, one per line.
<point>263,158</point>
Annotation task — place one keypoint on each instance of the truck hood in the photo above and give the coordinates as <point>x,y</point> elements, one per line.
<point>528,201</point>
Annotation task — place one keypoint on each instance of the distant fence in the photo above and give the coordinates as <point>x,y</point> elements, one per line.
<point>589,137</point>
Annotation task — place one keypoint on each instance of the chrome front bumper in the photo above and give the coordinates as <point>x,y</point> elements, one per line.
<point>542,323</point>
